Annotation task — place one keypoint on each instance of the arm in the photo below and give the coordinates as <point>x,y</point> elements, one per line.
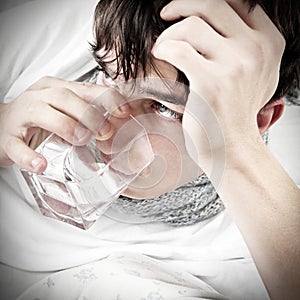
<point>233,73</point>
<point>265,205</point>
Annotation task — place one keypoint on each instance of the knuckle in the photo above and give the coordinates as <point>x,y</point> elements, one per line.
<point>231,73</point>
<point>43,81</point>
<point>205,5</point>
<point>257,49</point>
<point>24,161</point>
<point>246,66</point>
<point>30,108</point>
<point>111,93</point>
<point>46,78</point>
<point>210,5</point>
<point>110,97</point>
<point>183,29</point>
<point>270,47</point>
<point>255,53</point>
<point>181,52</point>
<point>8,145</point>
<point>67,130</point>
<point>61,92</point>
<point>31,104</point>
<point>46,81</point>
<point>279,44</point>
<point>15,153</point>
<point>27,96</point>
<point>86,84</point>
<point>190,22</point>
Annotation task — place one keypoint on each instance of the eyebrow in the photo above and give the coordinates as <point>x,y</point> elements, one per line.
<point>164,96</point>
<point>149,91</point>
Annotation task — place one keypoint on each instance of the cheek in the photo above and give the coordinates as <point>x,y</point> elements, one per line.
<point>171,168</point>
<point>163,173</point>
<point>167,166</point>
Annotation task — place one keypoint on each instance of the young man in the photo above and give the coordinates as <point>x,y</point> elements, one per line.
<point>230,56</point>
<point>220,58</point>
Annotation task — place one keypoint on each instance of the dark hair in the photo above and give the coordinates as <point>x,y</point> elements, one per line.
<point>129,29</point>
<point>286,17</point>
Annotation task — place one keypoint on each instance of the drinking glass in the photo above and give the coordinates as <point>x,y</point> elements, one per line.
<point>81,182</point>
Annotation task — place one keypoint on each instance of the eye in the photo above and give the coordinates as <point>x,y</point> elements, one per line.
<point>106,79</point>
<point>166,112</point>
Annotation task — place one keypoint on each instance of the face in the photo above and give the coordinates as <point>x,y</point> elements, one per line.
<point>158,105</point>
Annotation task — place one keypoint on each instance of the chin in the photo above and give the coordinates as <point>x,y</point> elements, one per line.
<point>146,187</point>
<point>140,194</point>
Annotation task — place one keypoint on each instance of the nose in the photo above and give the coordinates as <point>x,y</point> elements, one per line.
<point>129,150</point>
<point>116,141</point>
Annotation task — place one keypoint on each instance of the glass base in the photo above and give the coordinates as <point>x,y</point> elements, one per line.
<point>58,204</point>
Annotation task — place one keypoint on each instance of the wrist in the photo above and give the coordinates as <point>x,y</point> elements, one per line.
<point>236,152</point>
<point>245,150</point>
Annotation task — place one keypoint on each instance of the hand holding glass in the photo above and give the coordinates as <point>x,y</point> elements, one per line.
<point>81,182</point>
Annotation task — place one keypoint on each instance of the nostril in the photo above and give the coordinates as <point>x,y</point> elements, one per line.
<point>146,172</point>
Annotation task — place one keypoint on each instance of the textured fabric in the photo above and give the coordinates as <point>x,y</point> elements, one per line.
<point>188,204</point>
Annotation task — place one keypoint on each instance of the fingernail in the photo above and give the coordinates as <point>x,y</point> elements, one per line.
<point>36,162</point>
<point>146,172</point>
<point>105,128</point>
<point>125,108</point>
<point>153,48</point>
<point>105,132</point>
<point>122,110</point>
<point>81,132</point>
<point>163,11</point>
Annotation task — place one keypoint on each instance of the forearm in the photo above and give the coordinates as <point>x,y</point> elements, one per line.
<point>265,203</point>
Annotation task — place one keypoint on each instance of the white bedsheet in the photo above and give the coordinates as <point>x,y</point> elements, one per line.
<point>44,38</point>
<point>213,250</point>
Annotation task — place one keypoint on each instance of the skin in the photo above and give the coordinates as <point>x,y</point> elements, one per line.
<point>242,59</point>
<point>60,117</point>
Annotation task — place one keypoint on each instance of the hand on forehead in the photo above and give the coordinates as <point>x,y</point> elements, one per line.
<point>226,17</point>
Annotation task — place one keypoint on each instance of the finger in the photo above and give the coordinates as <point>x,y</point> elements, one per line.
<point>25,157</point>
<point>65,112</point>
<point>219,14</point>
<point>67,102</point>
<point>260,21</point>
<point>90,92</point>
<point>57,122</point>
<point>184,57</point>
<point>113,102</point>
<point>203,37</point>
<point>255,17</point>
